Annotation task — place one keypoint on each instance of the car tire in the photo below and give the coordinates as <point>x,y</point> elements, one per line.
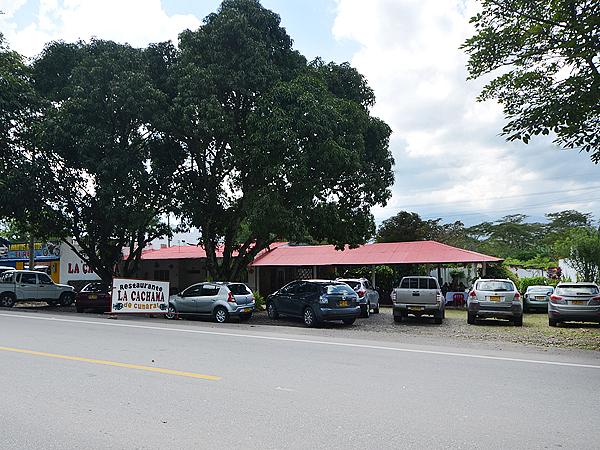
<point>309,318</point>
<point>272,311</point>
<point>397,319</point>
<point>367,312</point>
<point>471,318</point>
<point>376,310</point>
<point>7,300</point>
<point>438,318</point>
<point>552,322</point>
<point>171,313</point>
<point>66,299</point>
<point>220,315</point>
<point>518,321</point>
<point>349,321</point>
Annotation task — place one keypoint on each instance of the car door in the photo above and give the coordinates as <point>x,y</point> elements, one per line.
<point>204,302</point>
<point>303,296</point>
<point>373,295</point>
<point>284,298</point>
<point>47,290</point>
<point>186,301</point>
<point>27,286</point>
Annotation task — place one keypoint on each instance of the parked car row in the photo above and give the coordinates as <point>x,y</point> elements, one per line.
<point>316,301</point>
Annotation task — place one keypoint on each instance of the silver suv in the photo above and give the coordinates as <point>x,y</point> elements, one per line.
<point>574,301</point>
<point>368,297</point>
<point>495,298</point>
<point>221,301</point>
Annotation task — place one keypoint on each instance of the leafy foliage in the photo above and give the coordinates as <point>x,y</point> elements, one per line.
<point>273,147</point>
<point>582,247</point>
<point>546,55</point>
<point>524,283</point>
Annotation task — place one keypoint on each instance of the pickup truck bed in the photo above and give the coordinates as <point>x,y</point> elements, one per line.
<point>418,296</point>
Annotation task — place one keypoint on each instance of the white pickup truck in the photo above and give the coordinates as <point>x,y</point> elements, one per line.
<point>419,296</point>
<point>28,285</point>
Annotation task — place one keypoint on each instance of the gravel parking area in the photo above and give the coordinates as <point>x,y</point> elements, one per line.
<point>534,332</point>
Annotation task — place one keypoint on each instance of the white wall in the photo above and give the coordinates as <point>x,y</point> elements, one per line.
<point>567,271</point>
<point>72,267</point>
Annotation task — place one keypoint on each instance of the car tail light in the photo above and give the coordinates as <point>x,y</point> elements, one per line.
<point>393,296</point>
<point>230,298</point>
<point>596,298</point>
<point>556,299</point>
<point>361,293</point>
<point>472,294</point>
<point>517,296</point>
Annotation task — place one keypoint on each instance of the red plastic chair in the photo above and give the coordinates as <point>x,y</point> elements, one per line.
<point>458,299</point>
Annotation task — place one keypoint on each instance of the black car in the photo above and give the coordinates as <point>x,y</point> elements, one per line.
<point>315,301</point>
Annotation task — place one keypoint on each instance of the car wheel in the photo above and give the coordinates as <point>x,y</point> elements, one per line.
<point>309,318</point>
<point>471,318</point>
<point>272,311</point>
<point>367,311</point>
<point>552,322</point>
<point>220,315</point>
<point>349,321</point>
<point>7,300</point>
<point>397,319</point>
<point>438,318</point>
<point>171,312</point>
<point>66,299</point>
<point>518,321</point>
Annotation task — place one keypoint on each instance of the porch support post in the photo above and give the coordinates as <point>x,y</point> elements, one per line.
<point>373,276</point>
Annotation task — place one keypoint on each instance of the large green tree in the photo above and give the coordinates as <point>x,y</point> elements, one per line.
<point>546,58</point>
<point>582,248</point>
<point>103,175</point>
<point>274,147</point>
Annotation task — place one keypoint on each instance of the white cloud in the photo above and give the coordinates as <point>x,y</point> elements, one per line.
<point>450,159</point>
<point>137,22</point>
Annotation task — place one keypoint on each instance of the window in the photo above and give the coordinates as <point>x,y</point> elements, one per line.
<point>96,287</point>
<point>341,288</point>
<point>239,289</point>
<point>495,286</point>
<point>404,284</point>
<point>308,288</point>
<point>352,283</point>
<point>7,277</point>
<point>44,279</point>
<point>413,283</point>
<point>289,288</point>
<point>192,291</point>
<point>28,278</point>
<point>209,290</point>
<point>368,284</point>
<point>577,290</point>
<point>427,283</point>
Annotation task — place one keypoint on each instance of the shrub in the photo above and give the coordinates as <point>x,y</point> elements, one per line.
<point>259,300</point>
<point>524,283</point>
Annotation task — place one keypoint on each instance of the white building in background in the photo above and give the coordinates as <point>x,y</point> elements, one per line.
<point>567,270</point>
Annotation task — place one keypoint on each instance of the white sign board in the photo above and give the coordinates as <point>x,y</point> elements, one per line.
<point>139,296</point>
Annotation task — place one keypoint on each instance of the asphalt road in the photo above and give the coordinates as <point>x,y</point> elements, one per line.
<point>72,381</point>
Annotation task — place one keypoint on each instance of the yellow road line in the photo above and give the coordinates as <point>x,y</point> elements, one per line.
<point>113,363</point>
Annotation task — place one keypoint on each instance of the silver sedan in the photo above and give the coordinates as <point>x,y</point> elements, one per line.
<point>574,302</point>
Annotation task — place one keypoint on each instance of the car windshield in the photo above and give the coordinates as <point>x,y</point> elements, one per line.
<point>238,289</point>
<point>495,286</point>
<point>95,287</point>
<point>340,288</point>
<point>543,291</point>
<point>577,290</point>
<point>352,283</point>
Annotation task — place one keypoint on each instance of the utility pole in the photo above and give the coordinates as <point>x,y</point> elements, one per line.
<point>31,252</point>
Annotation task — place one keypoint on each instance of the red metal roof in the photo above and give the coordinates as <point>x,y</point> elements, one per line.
<point>418,252</point>
<point>186,252</point>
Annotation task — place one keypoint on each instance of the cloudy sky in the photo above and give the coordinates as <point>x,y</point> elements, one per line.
<point>450,160</point>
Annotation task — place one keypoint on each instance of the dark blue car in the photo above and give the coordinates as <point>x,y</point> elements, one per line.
<point>315,301</point>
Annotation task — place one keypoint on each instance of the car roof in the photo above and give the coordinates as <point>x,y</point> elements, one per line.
<point>494,279</point>
<point>350,279</point>
<point>30,271</point>
<point>418,276</point>
<point>576,283</point>
<point>539,286</point>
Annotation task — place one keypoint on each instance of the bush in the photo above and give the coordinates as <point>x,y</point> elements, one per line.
<point>524,283</point>
<point>501,272</point>
<point>259,301</point>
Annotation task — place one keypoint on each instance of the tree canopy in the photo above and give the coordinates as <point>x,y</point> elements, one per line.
<point>545,56</point>
<point>274,147</point>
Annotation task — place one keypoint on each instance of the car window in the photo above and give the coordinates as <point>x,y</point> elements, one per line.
<point>540,291</point>
<point>239,289</point>
<point>209,290</point>
<point>427,283</point>
<point>192,291</point>
<point>28,278</point>
<point>308,288</point>
<point>413,283</point>
<point>496,286</point>
<point>405,283</point>
<point>289,288</point>
<point>44,279</point>
<point>368,285</point>
<point>353,284</point>
<point>6,277</point>
<point>95,287</point>
<point>340,288</point>
<point>577,290</point>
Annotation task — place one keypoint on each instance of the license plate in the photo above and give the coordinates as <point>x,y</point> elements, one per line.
<point>578,302</point>
<point>538,297</point>
<point>92,296</point>
<point>343,303</point>
<point>416,308</point>
<point>247,309</point>
<point>495,298</point>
